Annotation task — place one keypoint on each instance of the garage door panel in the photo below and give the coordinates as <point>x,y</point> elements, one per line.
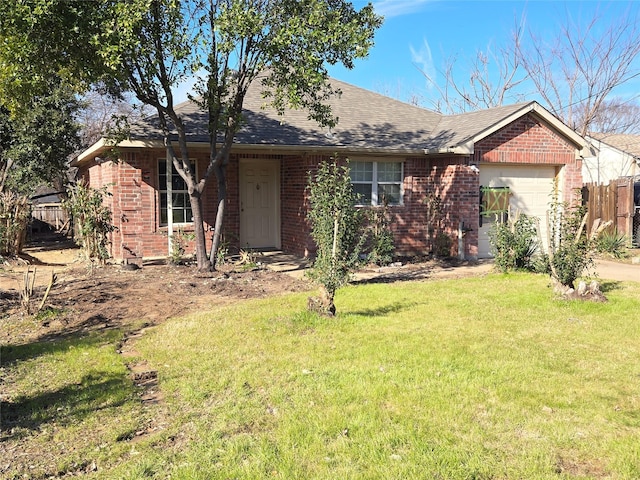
<point>530,188</point>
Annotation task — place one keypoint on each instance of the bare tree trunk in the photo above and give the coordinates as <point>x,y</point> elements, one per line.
<point>221,177</point>
<point>198,225</point>
<point>323,304</point>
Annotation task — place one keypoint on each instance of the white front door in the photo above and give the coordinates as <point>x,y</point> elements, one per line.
<point>259,204</point>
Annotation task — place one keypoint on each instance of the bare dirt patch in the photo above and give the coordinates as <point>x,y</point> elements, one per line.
<point>84,299</point>
<point>110,296</point>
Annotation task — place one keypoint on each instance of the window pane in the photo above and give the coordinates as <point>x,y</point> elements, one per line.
<point>178,216</point>
<point>363,192</point>
<point>178,200</point>
<point>361,171</point>
<point>390,192</point>
<point>181,212</point>
<point>182,215</point>
<point>178,183</point>
<point>390,172</point>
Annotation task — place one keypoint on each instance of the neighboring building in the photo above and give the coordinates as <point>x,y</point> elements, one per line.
<point>516,153</point>
<point>618,155</point>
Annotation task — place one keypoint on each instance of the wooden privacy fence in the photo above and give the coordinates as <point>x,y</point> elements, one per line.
<point>49,217</point>
<point>613,202</point>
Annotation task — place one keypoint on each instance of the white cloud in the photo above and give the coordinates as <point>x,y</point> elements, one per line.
<point>423,59</point>
<point>395,8</point>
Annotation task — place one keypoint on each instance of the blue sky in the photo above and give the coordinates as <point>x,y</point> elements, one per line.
<point>424,33</point>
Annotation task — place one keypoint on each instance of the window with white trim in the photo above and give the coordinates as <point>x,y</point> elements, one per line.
<point>181,206</point>
<point>377,182</point>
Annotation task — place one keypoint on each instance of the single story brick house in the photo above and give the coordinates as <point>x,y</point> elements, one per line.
<point>415,157</point>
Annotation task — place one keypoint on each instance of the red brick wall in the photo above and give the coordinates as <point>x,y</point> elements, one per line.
<point>452,180</point>
<point>295,232</point>
<point>135,203</point>
<point>448,177</point>
<point>529,140</point>
<point>134,184</point>
<point>573,182</point>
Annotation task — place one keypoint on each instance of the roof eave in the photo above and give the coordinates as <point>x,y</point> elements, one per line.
<point>99,147</point>
<point>330,149</point>
<point>90,153</point>
<point>102,145</point>
<point>465,148</point>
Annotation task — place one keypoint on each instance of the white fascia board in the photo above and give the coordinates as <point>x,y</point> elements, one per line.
<point>92,151</point>
<point>101,145</point>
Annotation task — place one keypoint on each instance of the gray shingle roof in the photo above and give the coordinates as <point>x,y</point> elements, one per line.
<point>367,121</point>
<point>624,142</point>
<point>467,126</point>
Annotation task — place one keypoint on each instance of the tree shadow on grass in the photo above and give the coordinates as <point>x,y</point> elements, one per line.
<point>68,405</point>
<point>84,334</point>
<point>397,276</point>
<point>610,285</point>
<point>384,309</point>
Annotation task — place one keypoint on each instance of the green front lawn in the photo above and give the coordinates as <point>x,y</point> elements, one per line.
<point>479,378</point>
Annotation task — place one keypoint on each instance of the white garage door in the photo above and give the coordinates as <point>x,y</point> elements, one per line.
<point>530,186</point>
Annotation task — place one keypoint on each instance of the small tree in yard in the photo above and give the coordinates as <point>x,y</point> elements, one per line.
<point>92,221</point>
<point>336,227</point>
<point>571,248</point>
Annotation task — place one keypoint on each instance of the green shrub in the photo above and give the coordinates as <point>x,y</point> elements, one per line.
<point>179,241</point>
<point>571,250</point>
<point>92,220</point>
<point>514,243</point>
<point>381,245</point>
<point>442,244</point>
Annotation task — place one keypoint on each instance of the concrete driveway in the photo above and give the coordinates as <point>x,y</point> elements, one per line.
<point>295,266</point>
<point>610,270</point>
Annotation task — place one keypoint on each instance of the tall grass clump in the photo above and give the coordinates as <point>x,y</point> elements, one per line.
<point>15,213</point>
